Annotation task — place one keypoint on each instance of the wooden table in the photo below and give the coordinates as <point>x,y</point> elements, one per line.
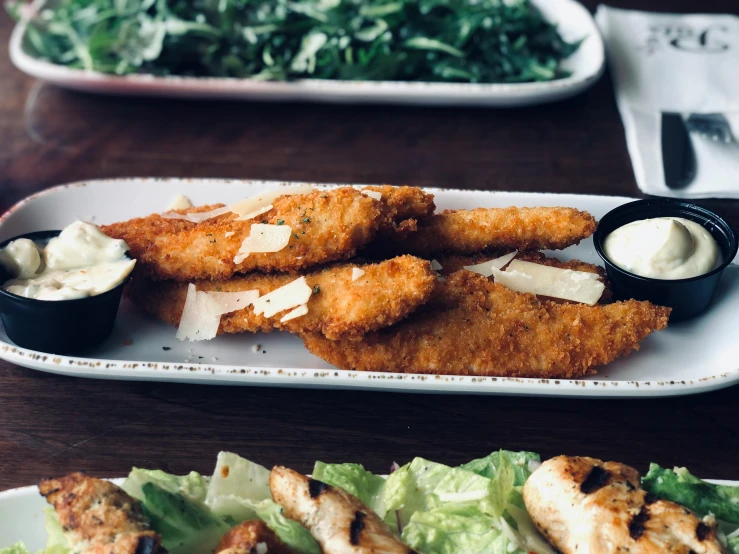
<point>52,425</point>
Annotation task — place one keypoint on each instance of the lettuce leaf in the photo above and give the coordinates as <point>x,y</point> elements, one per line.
<point>354,479</point>
<point>519,461</point>
<point>236,485</point>
<point>56,542</point>
<point>290,532</point>
<point>680,486</point>
<point>17,548</point>
<point>439,532</point>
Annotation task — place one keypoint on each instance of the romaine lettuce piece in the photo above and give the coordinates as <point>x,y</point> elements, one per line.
<point>439,532</point>
<point>520,461</point>
<point>17,548</point>
<point>460,489</point>
<point>56,542</point>
<point>235,486</point>
<point>354,479</point>
<point>407,490</point>
<point>290,532</point>
<point>680,486</point>
<point>734,544</point>
<point>192,486</point>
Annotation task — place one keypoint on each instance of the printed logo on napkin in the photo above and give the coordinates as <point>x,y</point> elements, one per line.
<point>703,40</point>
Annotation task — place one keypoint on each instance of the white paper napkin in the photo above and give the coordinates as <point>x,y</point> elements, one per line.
<point>675,63</point>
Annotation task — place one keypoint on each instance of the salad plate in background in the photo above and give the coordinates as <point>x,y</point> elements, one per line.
<point>144,349</point>
<point>573,21</point>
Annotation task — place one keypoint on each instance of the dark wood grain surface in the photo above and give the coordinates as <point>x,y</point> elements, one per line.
<point>51,425</point>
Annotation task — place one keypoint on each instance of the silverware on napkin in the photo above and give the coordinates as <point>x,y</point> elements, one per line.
<point>678,156</point>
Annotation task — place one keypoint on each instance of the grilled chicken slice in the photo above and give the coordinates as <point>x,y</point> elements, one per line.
<point>337,520</point>
<point>98,517</point>
<point>586,506</point>
<point>252,537</point>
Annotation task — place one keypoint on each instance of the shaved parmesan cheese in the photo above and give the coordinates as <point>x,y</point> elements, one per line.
<point>202,313</point>
<point>297,312</point>
<point>542,280</point>
<point>357,273</point>
<point>373,194</point>
<point>232,301</point>
<point>261,203</point>
<point>229,234</point>
<point>436,266</point>
<point>287,297</point>
<point>200,316</point>
<point>465,496</point>
<point>197,217</point>
<point>264,237</point>
<point>486,268</point>
<point>181,202</point>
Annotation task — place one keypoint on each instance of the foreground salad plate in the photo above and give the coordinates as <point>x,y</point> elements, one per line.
<point>693,356</point>
<point>573,21</point>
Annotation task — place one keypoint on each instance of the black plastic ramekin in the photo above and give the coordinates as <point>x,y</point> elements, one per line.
<point>57,326</point>
<point>687,297</point>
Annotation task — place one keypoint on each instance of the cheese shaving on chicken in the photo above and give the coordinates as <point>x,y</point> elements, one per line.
<point>264,237</point>
<point>486,268</point>
<point>357,273</point>
<point>297,312</point>
<point>197,217</point>
<point>261,203</point>
<point>180,202</point>
<point>202,312</point>
<point>554,282</point>
<point>373,194</point>
<point>287,297</point>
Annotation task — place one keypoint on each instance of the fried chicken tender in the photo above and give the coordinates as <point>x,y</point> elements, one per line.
<point>403,206</point>
<point>471,231</point>
<point>327,225</point>
<point>252,537</point>
<point>98,517</point>
<point>340,308</point>
<point>473,326</point>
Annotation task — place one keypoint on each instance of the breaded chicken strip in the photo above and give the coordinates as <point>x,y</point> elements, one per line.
<point>338,521</point>
<point>403,206</point>
<point>327,225</point>
<point>472,326</point>
<point>98,517</point>
<point>586,505</point>
<point>252,537</point>
<point>339,308</point>
<point>471,231</point>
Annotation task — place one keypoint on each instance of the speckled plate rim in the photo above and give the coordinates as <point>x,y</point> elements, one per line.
<point>21,515</point>
<point>585,73</point>
<point>221,374</point>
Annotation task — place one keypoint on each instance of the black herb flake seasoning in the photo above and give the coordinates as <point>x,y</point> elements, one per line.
<point>316,289</point>
<point>306,220</point>
<point>166,348</point>
<point>280,222</point>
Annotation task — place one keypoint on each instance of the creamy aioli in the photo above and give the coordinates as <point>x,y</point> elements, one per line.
<point>663,248</point>
<point>82,261</point>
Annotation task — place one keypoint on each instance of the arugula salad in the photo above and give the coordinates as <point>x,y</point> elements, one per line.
<point>471,41</point>
<point>434,508</point>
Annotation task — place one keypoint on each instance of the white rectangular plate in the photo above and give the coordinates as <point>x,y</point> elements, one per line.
<point>573,19</point>
<point>688,357</point>
<point>22,518</point>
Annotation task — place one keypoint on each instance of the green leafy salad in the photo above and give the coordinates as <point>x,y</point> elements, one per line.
<point>436,509</point>
<point>471,41</point>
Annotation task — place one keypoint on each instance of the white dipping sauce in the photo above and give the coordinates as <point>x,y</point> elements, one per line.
<point>663,248</point>
<point>82,261</point>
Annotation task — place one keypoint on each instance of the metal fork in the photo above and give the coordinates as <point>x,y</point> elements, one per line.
<point>711,126</point>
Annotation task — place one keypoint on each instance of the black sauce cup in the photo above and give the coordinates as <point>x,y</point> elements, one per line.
<point>687,297</point>
<point>57,326</point>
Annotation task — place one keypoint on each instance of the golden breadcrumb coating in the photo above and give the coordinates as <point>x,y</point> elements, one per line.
<point>473,326</point>
<point>339,308</point>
